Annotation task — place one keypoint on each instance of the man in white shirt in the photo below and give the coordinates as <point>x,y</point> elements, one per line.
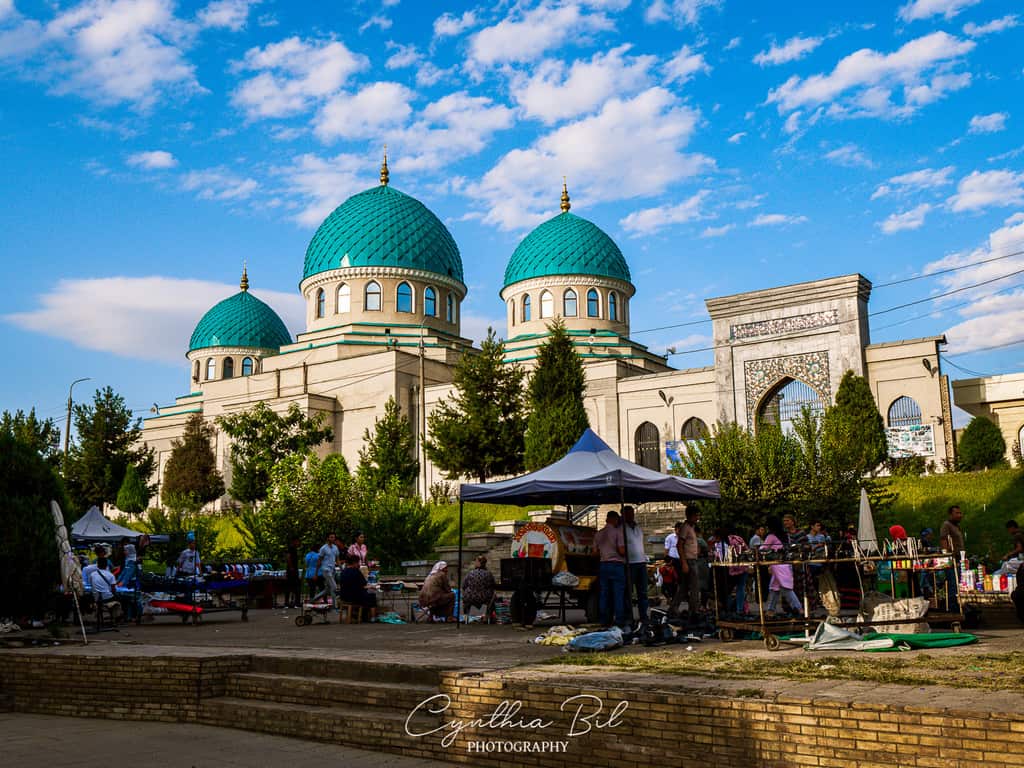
<point>636,558</point>
<point>188,560</point>
<point>328,556</point>
<point>672,551</point>
<point>101,582</point>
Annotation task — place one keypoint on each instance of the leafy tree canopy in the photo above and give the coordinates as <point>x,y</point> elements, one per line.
<point>981,445</point>
<point>853,429</point>
<point>133,496</point>
<point>42,435</point>
<point>389,452</point>
<point>191,479</point>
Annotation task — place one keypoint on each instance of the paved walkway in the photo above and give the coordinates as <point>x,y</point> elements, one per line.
<point>54,742</point>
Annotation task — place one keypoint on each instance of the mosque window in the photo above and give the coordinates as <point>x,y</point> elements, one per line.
<point>647,446</point>
<point>526,308</point>
<point>450,312</point>
<point>547,305</point>
<point>613,306</point>
<point>512,311</point>
<point>904,412</point>
<point>229,368</point>
<point>430,302</point>
<point>247,366</point>
<point>593,303</point>
<point>195,376</point>
<point>372,302</point>
<point>344,298</point>
<point>694,429</point>
<point>321,302</point>
<point>211,369</point>
<point>404,297</point>
<point>569,303</point>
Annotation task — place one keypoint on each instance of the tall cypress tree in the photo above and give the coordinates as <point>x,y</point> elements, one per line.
<point>191,478</point>
<point>853,432</point>
<point>388,452</point>
<point>557,417</point>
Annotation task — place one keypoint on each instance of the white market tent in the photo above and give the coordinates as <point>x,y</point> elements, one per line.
<point>93,528</point>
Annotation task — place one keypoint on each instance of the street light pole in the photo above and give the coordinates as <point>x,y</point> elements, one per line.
<point>422,427</point>
<point>67,425</point>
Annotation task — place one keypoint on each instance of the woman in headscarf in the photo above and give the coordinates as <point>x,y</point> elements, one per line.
<point>436,593</point>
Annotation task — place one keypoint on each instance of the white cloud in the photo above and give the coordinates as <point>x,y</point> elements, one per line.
<point>926,178</point>
<point>320,184</point>
<point>448,25</point>
<point>379,20</point>
<point>455,126</point>
<point>631,148</point>
<point>684,65</point>
<point>996,25</point>
<point>427,73</point>
<point>525,36</point>
<point>553,93</point>
<point>651,220</point>
<point>219,184</point>
<point>717,231</point>
<point>733,43</point>
<point>19,36</point>
<point>849,155</point>
<point>369,112</point>
<point>776,220</point>
<point>792,50</point>
<point>116,51</point>
<point>155,160</point>
<point>679,12</point>
<point>736,138</point>
<point>985,189</point>
<point>229,14</point>
<point>924,9</point>
<point>993,123</point>
<point>143,318</point>
<point>866,82</point>
<point>995,314</point>
<point>292,75</point>
<point>912,219</point>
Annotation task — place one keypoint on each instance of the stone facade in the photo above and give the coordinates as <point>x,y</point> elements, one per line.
<point>999,398</point>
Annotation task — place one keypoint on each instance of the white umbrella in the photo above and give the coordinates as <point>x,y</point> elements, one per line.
<point>867,539</point>
<point>70,572</point>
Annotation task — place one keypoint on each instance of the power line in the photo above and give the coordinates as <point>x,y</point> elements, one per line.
<point>949,270</point>
<point>989,349</point>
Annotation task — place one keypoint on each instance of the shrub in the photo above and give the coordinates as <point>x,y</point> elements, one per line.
<point>981,446</point>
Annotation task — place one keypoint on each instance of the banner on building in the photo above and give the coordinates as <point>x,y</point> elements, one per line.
<point>912,440</point>
<point>676,451</point>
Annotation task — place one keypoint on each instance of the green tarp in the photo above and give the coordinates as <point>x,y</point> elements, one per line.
<point>920,642</point>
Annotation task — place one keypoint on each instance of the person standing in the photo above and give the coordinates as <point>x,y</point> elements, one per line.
<point>781,573</point>
<point>188,561</point>
<point>758,538</point>
<point>358,548</point>
<point>310,560</point>
<point>611,548</point>
<point>633,537</point>
<point>326,560</point>
<point>689,551</point>
<point>292,584</point>
<point>951,539</point>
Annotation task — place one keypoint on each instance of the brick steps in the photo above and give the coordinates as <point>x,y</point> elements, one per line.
<point>362,672</point>
<point>295,689</point>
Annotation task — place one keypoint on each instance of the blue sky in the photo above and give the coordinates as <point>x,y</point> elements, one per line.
<point>148,147</point>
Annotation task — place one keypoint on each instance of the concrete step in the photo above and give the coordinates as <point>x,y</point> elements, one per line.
<point>295,689</point>
<point>348,669</point>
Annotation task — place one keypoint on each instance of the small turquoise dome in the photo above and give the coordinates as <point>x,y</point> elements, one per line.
<point>566,245</point>
<point>383,227</point>
<point>241,320</point>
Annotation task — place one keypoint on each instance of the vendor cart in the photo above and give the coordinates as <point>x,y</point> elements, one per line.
<point>193,598</point>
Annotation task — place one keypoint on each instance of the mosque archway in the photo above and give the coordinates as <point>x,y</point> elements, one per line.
<point>784,403</point>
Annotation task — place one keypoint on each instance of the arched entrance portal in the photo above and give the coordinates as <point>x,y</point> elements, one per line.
<point>784,402</point>
<point>647,445</point>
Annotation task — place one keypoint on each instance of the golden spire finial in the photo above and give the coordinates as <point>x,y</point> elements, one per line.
<point>565,197</point>
<point>244,282</point>
<point>384,175</point>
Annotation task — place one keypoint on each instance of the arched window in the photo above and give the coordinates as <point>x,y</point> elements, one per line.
<point>450,309</point>
<point>229,368</point>
<point>547,305</point>
<point>321,302</point>
<point>404,302</point>
<point>786,401</point>
<point>195,376</point>
<point>694,429</point>
<point>569,303</point>
<point>527,310</point>
<point>613,306</point>
<point>247,366</point>
<point>430,302</point>
<point>593,303</point>
<point>904,412</point>
<point>512,311</point>
<point>647,445</point>
<point>211,369</point>
<point>372,300</point>
<point>344,298</point>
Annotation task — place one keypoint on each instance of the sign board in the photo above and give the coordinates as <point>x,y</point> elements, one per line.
<point>911,440</point>
<point>534,540</point>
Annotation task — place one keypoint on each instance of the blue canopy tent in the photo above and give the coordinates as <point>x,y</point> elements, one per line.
<point>590,473</point>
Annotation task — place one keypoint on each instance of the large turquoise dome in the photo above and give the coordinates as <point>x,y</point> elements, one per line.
<point>566,245</point>
<point>241,320</point>
<point>383,227</point>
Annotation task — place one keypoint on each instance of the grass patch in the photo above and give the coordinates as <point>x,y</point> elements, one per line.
<point>993,671</point>
<point>988,499</point>
<point>476,518</point>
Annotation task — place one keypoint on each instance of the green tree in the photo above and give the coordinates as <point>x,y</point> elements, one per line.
<point>29,567</point>
<point>389,452</point>
<point>261,438</point>
<point>133,496</point>
<point>981,445</point>
<point>109,439</point>
<point>479,431</point>
<point>191,479</point>
<point>176,524</point>
<point>397,526</point>
<point>557,417</point>
<point>27,428</point>
<point>853,433</point>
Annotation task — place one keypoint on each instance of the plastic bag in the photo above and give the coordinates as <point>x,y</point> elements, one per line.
<point>565,579</point>
<point>597,641</point>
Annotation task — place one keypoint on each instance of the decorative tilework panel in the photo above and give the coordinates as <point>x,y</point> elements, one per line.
<point>759,376</point>
<point>782,325</point>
